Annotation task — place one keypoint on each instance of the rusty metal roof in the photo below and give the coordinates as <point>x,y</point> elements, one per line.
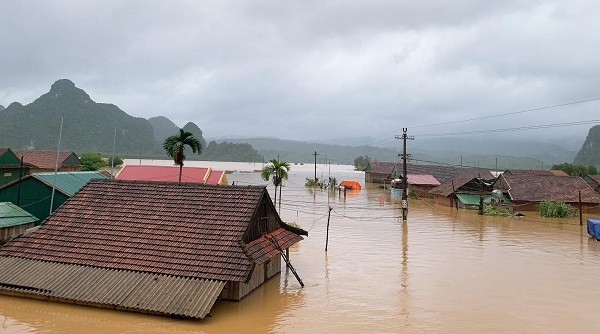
<point>119,289</point>
<point>163,173</point>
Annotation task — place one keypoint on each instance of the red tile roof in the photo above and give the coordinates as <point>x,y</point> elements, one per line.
<point>3,150</point>
<point>537,188</point>
<point>163,173</point>
<point>554,172</point>
<point>187,229</point>
<point>43,159</point>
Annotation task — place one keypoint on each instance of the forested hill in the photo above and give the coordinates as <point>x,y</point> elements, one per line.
<point>87,125</point>
<point>590,151</point>
<point>90,126</point>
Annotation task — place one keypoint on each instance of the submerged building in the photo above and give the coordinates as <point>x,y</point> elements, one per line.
<point>151,247</point>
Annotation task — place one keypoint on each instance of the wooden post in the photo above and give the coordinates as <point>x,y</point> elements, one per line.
<point>580,212</point>
<point>327,235</point>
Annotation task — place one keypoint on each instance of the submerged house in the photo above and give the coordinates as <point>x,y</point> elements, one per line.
<point>420,185</point>
<point>13,221</point>
<point>171,174</point>
<point>593,181</point>
<point>527,191</point>
<point>150,247</point>
<point>466,192</point>
<point>384,172</point>
<point>34,191</point>
<point>45,161</point>
<point>10,166</point>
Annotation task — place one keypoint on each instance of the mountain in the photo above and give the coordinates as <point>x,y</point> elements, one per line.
<point>590,151</point>
<point>195,130</point>
<point>87,125</point>
<point>163,128</point>
<point>1,107</point>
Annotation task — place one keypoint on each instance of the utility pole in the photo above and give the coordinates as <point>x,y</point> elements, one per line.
<point>315,154</point>
<point>405,156</point>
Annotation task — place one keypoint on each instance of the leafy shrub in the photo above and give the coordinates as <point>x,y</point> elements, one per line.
<point>491,210</point>
<point>556,209</point>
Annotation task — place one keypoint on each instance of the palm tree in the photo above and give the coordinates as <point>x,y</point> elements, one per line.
<point>175,144</point>
<point>279,171</point>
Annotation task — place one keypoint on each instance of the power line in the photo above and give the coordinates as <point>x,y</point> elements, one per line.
<point>530,127</point>
<point>386,137</point>
<point>509,113</point>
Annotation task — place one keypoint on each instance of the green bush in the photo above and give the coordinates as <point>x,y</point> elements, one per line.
<point>491,210</point>
<point>556,209</point>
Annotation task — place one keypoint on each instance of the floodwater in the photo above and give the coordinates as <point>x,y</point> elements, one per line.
<point>444,271</point>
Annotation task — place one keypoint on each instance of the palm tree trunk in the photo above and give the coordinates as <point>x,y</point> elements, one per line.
<point>280,198</point>
<point>180,171</point>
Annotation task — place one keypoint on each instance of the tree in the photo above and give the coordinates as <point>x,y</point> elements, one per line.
<point>576,170</point>
<point>278,170</point>
<point>92,161</point>
<point>175,145</point>
<point>362,163</point>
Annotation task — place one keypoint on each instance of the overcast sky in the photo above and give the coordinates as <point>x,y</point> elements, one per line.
<point>314,70</point>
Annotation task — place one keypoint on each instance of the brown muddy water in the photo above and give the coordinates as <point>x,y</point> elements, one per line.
<point>445,271</point>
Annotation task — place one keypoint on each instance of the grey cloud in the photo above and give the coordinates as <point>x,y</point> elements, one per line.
<point>310,69</point>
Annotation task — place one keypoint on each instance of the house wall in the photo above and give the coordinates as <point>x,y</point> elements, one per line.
<point>421,191</point>
<point>443,200</point>
<point>535,206</point>
<point>261,273</point>
<point>8,175</point>
<point>10,232</point>
<point>259,226</point>
<point>371,177</point>
<point>35,197</point>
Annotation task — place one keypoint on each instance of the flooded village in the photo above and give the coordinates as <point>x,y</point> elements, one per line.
<point>299,167</point>
<point>143,252</point>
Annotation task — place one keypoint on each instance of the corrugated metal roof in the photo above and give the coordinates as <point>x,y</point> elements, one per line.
<point>109,288</point>
<point>68,182</point>
<point>468,199</point>
<point>162,173</point>
<point>12,215</point>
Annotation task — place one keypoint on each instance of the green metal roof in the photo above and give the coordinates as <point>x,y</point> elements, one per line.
<point>472,199</point>
<point>12,215</point>
<point>468,199</point>
<point>68,182</point>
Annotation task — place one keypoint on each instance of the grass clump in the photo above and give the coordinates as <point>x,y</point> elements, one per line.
<point>556,209</point>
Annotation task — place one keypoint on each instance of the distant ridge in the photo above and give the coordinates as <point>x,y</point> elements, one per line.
<point>590,151</point>
<point>88,125</point>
